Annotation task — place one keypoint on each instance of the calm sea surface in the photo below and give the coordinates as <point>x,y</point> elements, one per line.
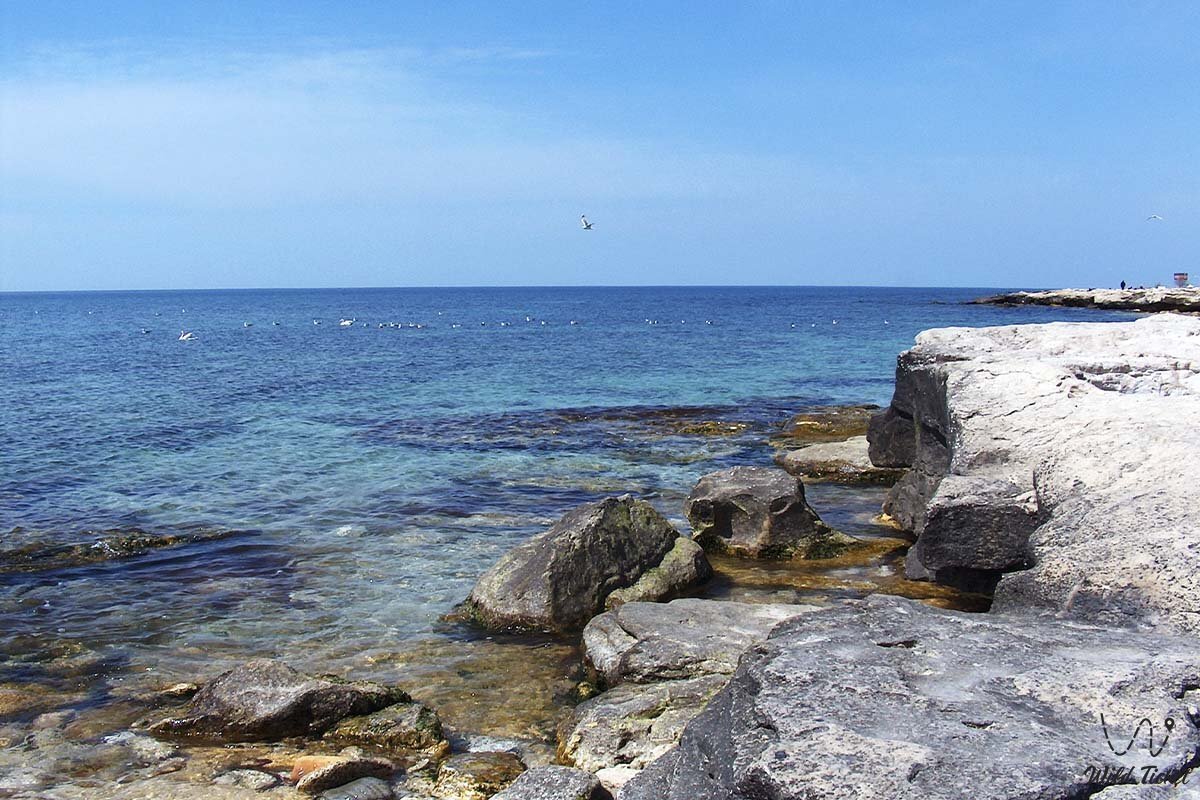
<point>333,490</point>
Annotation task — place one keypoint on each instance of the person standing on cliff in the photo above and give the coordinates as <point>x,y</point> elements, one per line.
<point>1122,285</point>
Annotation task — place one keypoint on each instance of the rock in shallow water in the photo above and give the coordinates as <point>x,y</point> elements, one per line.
<point>476,776</point>
<point>756,512</point>
<point>402,727</point>
<point>560,579</point>
<point>839,462</point>
<point>684,566</point>
<point>264,700</point>
<point>315,774</point>
<point>888,699</point>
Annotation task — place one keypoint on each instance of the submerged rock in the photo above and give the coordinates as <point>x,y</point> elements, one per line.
<point>361,789</point>
<point>265,700</point>
<point>476,776</point>
<point>827,424</point>
<point>889,699</point>
<point>840,462</point>
<point>560,579</point>
<point>1049,457</point>
<point>554,783</point>
<point>402,727</point>
<point>756,512</point>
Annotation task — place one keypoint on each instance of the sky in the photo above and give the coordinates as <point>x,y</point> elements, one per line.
<point>310,144</point>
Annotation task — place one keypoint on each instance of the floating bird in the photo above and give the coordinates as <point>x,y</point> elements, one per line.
<point>1153,217</point>
<point>587,226</point>
<point>247,324</point>
<point>186,336</point>
<point>275,323</point>
<point>345,323</point>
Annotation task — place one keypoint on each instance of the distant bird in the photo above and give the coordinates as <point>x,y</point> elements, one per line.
<point>316,322</point>
<point>186,336</point>
<point>1153,217</point>
<point>275,323</point>
<point>587,226</point>
<point>345,323</point>
<point>247,324</point>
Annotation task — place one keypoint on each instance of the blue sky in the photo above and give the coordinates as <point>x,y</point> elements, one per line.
<point>222,144</point>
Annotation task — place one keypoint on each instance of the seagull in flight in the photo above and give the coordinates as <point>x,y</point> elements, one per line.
<point>1153,217</point>
<point>587,226</point>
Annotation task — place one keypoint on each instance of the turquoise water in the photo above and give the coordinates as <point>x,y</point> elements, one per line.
<point>337,489</point>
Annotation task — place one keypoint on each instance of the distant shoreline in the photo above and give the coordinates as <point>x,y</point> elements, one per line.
<point>1184,299</point>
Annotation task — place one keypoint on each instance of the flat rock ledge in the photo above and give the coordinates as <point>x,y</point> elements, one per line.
<point>1159,298</point>
<point>560,579</point>
<point>889,699</point>
<point>1052,459</point>
<point>837,462</point>
<point>759,512</point>
<point>663,662</point>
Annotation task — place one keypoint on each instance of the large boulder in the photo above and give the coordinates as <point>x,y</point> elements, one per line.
<point>266,700</point>
<point>758,512</point>
<point>889,699</point>
<point>561,578</point>
<point>1048,457</point>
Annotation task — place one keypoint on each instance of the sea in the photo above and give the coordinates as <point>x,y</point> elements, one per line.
<point>321,475</point>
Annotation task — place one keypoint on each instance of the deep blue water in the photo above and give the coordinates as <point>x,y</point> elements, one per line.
<point>355,480</point>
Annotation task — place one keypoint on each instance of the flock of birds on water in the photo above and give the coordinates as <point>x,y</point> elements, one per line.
<point>351,322</point>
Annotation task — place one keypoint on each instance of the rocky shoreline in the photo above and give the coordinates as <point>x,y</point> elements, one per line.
<point>1178,299</point>
<point>1045,463</point>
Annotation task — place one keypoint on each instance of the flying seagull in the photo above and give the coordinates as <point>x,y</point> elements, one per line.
<point>1152,217</point>
<point>587,226</point>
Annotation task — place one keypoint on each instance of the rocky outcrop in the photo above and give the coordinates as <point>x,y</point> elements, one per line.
<point>266,700</point>
<point>890,699</point>
<point>664,662</point>
<point>839,462</point>
<point>756,512</point>
<point>561,578</point>
<point>554,783</point>
<point>1157,298</point>
<point>1050,457</point>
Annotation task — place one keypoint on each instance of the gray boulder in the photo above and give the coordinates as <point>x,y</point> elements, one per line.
<point>266,700</point>
<point>560,579</point>
<point>890,699</point>
<point>647,642</point>
<point>554,783</point>
<point>1049,458</point>
<point>757,512</point>
<point>839,462</point>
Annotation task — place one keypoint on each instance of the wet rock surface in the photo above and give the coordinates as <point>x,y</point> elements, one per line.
<point>476,776</point>
<point>1063,444</point>
<point>401,727</point>
<point>757,512</point>
<point>826,424</point>
<point>560,579</point>
<point>264,700</point>
<point>683,567</point>
<point>845,462</point>
<point>925,703</point>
